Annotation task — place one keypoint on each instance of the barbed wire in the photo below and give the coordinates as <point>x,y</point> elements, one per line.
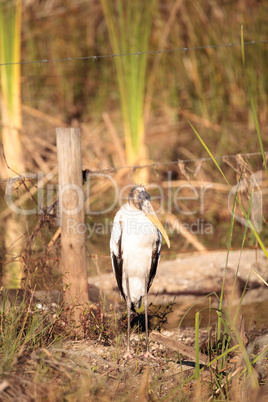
<point>150,52</point>
<point>88,172</point>
<point>156,164</point>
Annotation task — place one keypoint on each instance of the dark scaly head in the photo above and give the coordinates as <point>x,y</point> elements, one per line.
<point>137,197</point>
<point>140,199</point>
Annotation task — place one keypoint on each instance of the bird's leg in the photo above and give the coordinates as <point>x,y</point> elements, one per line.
<point>146,314</point>
<point>128,355</point>
<point>147,354</point>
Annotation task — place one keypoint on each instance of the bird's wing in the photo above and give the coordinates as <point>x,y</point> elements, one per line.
<point>155,259</point>
<point>116,251</point>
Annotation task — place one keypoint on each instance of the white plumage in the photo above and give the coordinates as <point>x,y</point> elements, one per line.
<point>135,250</point>
<point>139,241</point>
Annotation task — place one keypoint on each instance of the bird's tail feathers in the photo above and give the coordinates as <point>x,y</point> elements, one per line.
<point>136,305</point>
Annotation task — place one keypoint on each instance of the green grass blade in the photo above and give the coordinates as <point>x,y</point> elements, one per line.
<point>250,224</point>
<point>262,354</point>
<point>242,46</point>
<point>197,351</point>
<point>208,151</point>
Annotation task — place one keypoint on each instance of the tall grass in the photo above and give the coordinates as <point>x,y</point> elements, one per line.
<point>10,51</point>
<point>25,327</point>
<point>250,224</point>
<point>129,25</point>
<point>201,80</point>
<point>227,332</point>
<point>11,119</point>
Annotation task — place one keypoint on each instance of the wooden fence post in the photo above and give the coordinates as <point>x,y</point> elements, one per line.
<point>71,209</point>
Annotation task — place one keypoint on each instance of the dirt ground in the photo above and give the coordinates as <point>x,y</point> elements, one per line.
<point>101,373</point>
<point>91,371</point>
<point>93,367</point>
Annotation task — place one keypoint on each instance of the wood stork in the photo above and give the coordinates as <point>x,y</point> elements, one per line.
<point>135,252</point>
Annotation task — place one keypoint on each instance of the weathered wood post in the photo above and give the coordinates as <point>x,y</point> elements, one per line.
<point>71,215</point>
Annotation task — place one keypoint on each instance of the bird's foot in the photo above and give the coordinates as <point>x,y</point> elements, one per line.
<point>148,355</point>
<point>128,355</point>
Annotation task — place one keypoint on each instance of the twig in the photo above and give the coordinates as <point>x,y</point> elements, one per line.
<point>177,346</point>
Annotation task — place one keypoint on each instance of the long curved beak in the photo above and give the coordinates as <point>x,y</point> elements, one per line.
<point>150,213</point>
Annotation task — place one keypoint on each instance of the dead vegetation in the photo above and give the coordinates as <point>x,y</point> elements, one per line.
<point>44,358</point>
